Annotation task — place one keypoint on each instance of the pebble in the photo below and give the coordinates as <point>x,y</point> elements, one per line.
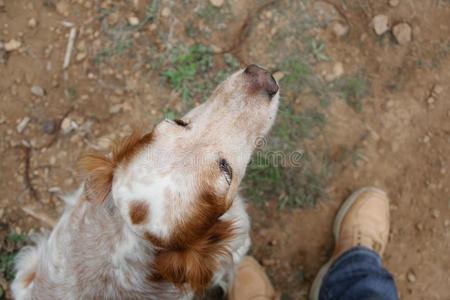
<point>437,89</point>
<point>278,75</point>
<point>37,91</point>
<point>426,139</point>
<point>133,20</point>
<point>402,33</point>
<point>80,56</point>
<point>446,223</point>
<point>32,23</point>
<point>49,127</point>
<point>340,29</point>
<point>62,7</point>
<point>67,125</point>
<point>394,3</point>
<point>435,213</point>
<point>23,124</point>
<point>430,100</point>
<point>338,71</point>
<point>380,24</point>
<point>12,45</point>
<point>419,226</point>
<point>165,12</point>
<point>217,3</point>
<point>411,277</point>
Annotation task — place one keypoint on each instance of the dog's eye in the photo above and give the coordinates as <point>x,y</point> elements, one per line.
<point>181,122</point>
<point>226,169</point>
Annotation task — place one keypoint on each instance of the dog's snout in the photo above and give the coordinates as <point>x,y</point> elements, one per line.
<point>261,79</point>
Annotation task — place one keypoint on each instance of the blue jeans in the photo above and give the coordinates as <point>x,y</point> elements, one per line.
<point>358,275</point>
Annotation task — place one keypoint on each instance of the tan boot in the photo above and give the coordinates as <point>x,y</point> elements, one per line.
<point>363,220</point>
<point>251,282</point>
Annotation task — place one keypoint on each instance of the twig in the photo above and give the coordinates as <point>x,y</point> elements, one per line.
<point>26,175</point>
<point>40,215</point>
<point>70,43</point>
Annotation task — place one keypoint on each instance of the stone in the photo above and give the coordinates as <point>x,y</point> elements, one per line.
<point>217,3</point>
<point>23,124</point>
<point>435,213</point>
<point>62,7</point>
<point>165,12</point>
<point>380,24</point>
<point>340,29</point>
<point>278,75</point>
<point>37,91</point>
<point>394,3</point>
<point>49,127</point>
<point>411,276</point>
<point>80,56</point>
<point>402,33</point>
<point>430,100</point>
<point>32,23</point>
<point>437,89</point>
<point>133,20</point>
<point>12,45</point>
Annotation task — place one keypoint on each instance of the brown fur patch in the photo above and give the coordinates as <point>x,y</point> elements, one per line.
<point>191,254</point>
<point>138,212</point>
<point>29,279</point>
<point>100,167</point>
<point>195,264</point>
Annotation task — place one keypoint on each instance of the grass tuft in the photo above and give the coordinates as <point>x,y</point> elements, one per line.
<point>353,90</point>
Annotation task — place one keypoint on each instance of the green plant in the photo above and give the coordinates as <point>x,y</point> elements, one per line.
<point>353,90</point>
<point>317,49</point>
<point>8,251</point>
<point>185,65</point>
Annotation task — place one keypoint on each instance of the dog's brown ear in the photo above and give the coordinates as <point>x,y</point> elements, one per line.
<point>195,264</point>
<point>99,175</point>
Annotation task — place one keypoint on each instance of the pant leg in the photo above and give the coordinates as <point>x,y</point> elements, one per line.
<point>358,275</point>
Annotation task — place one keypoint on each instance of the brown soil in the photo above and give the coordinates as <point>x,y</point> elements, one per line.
<point>402,137</point>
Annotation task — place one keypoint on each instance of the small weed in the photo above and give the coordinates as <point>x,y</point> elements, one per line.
<point>317,49</point>
<point>185,64</point>
<point>8,251</point>
<point>71,93</point>
<point>354,89</point>
<point>298,74</point>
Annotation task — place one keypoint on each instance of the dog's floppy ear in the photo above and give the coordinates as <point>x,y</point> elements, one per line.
<point>195,265</point>
<point>100,168</point>
<point>99,176</point>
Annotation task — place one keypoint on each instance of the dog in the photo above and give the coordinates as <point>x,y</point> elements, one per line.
<point>160,216</point>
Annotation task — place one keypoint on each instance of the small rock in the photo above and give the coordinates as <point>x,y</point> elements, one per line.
<point>80,56</point>
<point>133,20</point>
<point>338,71</point>
<point>426,139</point>
<point>394,3</point>
<point>437,89</point>
<point>32,23</point>
<point>435,213</point>
<point>411,277</point>
<point>68,125</point>
<point>62,7</point>
<point>49,127</point>
<point>430,101</point>
<point>380,24</point>
<point>165,12</point>
<point>2,4</point>
<point>340,29</point>
<point>278,75</point>
<point>402,33</point>
<point>37,91</point>
<point>447,223</point>
<point>23,124</point>
<point>217,3</point>
<point>12,45</point>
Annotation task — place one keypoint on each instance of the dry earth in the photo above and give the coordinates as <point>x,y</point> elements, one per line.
<point>383,90</point>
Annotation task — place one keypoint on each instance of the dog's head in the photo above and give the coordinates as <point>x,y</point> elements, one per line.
<point>172,185</point>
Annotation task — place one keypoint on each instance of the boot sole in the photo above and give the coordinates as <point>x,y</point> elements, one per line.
<point>317,283</point>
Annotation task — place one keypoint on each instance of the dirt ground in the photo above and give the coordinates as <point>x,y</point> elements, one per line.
<point>375,104</point>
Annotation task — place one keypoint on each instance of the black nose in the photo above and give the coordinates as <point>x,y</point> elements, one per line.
<point>261,79</point>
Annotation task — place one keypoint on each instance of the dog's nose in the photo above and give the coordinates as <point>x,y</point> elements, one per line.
<point>261,79</point>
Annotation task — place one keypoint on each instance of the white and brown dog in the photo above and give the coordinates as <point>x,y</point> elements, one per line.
<point>160,217</point>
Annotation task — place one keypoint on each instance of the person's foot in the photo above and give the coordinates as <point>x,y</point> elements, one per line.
<point>363,220</point>
<point>251,282</point>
